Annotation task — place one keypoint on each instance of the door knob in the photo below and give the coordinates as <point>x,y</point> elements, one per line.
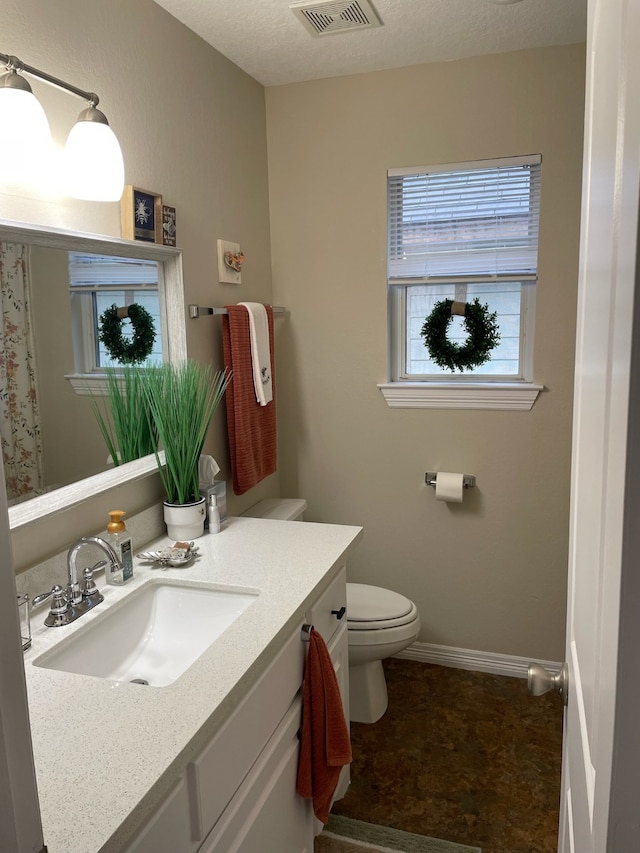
<point>542,681</point>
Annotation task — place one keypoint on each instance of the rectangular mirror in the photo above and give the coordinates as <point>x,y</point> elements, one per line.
<point>65,355</point>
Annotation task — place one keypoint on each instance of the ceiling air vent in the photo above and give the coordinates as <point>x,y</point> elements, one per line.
<point>326,18</point>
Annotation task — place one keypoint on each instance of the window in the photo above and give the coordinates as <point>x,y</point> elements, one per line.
<point>98,281</point>
<point>459,232</point>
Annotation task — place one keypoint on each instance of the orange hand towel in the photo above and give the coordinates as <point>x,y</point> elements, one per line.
<point>251,427</point>
<point>325,746</point>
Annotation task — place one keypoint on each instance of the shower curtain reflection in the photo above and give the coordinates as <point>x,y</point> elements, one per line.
<point>19,416</point>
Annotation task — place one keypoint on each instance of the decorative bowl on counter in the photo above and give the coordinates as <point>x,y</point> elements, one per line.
<point>172,555</point>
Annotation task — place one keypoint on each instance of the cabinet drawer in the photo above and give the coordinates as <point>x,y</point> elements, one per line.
<point>325,614</point>
<point>217,773</point>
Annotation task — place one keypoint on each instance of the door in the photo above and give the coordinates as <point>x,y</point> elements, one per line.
<point>600,759</point>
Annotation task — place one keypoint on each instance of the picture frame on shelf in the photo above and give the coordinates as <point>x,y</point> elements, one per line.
<point>168,225</point>
<point>141,215</point>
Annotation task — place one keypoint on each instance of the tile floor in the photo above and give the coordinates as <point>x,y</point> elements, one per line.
<point>462,756</point>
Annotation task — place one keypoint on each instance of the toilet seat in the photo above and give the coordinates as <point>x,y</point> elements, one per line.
<point>371,608</point>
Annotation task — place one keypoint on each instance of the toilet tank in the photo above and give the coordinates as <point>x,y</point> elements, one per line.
<point>285,509</point>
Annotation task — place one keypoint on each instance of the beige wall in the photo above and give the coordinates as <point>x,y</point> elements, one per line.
<point>192,127</point>
<point>489,574</point>
<point>65,416</point>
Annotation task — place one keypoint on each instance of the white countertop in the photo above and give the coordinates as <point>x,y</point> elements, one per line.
<point>106,753</point>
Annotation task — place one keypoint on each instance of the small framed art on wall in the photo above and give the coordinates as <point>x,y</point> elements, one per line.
<point>141,215</point>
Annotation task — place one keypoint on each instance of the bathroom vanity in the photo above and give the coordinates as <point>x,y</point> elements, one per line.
<point>207,762</point>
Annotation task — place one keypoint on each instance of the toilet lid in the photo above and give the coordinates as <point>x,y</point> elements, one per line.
<point>372,606</point>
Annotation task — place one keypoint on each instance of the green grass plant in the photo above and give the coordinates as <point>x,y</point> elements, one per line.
<point>123,415</point>
<point>182,399</point>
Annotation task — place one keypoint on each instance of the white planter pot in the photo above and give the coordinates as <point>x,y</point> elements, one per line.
<point>185,521</point>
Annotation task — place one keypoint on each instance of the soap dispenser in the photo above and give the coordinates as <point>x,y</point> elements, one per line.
<point>120,540</point>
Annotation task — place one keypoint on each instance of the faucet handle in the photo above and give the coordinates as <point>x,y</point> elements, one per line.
<point>41,598</point>
<point>89,589</point>
<point>60,601</point>
<point>78,594</point>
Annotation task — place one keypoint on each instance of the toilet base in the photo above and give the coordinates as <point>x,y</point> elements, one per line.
<point>368,699</point>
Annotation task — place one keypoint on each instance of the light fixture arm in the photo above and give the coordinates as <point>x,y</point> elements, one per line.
<point>14,64</point>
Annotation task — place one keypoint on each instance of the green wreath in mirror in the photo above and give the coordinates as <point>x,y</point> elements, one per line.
<point>133,350</point>
<point>480,325</point>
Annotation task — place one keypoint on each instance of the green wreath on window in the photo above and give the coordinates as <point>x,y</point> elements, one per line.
<point>125,350</point>
<point>482,329</point>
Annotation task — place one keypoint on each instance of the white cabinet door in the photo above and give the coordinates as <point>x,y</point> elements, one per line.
<point>266,814</point>
<point>169,830</point>
<point>217,773</point>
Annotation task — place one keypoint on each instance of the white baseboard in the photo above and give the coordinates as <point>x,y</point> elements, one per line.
<point>490,662</point>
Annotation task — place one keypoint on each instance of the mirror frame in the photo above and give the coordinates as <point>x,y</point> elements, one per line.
<point>56,500</point>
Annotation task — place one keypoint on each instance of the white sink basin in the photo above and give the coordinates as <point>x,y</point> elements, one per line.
<point>152,636</point>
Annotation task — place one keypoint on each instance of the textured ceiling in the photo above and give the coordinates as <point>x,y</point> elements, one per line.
<point>265,38</point>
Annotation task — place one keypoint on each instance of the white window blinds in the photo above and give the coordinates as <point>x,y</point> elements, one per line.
<point>473,221</point>
<point>94,272</point>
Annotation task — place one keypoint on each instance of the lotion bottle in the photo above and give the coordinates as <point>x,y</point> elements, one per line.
<point>120,540</point>
<point>214,515</point>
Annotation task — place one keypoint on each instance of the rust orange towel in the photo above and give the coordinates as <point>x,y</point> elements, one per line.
<point>325,746</point>
<point>251,427</point>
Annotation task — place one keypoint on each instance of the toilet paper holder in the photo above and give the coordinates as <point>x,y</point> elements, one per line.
<point>468,480</point>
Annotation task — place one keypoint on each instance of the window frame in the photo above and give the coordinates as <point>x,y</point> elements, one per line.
<point>398,335</point>
<point>465,390</point>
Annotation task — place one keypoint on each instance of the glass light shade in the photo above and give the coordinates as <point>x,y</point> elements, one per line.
<point>93,162</point>
<point>25,138</point>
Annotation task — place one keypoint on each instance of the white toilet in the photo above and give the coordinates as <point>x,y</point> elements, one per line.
<point>380,624</point>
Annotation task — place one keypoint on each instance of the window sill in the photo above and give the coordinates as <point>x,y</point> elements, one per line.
<point>502,396</point>
<point>88,384</point>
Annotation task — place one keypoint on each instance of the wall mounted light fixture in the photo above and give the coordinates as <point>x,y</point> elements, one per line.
<point>94,169</point>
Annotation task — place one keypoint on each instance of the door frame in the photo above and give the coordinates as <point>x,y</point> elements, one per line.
<point>21,825</point>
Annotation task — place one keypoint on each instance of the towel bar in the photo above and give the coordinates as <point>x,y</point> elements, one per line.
<point>196,311</point>
<point>305,633</point>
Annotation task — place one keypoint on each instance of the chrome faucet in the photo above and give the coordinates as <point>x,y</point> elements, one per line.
<point>73,587</point>
<point>71,603</point>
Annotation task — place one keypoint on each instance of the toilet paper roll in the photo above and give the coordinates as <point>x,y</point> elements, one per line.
<point>449,487</point>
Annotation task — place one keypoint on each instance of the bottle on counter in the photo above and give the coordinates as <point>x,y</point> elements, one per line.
<point>120,540</point>
<point>219,489</point>
<point>214,515</point>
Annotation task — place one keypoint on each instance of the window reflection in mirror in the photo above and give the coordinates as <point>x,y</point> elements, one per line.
<point>96,282</point>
